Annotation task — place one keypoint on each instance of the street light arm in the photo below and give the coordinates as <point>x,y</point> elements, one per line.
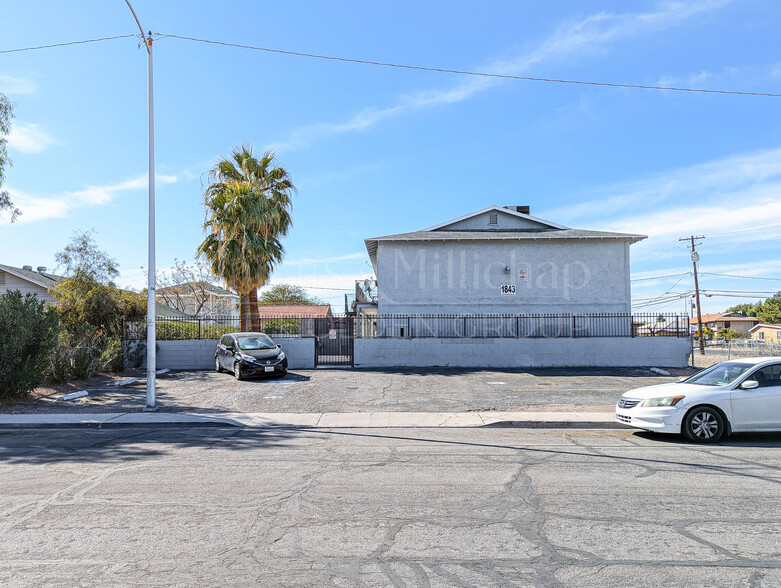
<point>140,28</point>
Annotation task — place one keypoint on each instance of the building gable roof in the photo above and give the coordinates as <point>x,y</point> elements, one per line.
<point>166,311</point>
<point>764,325</point>
<point>528,228</point>
<point>45,280</point>
<point>183,289</point>
<point>531,220</point>
<point>725,316</point>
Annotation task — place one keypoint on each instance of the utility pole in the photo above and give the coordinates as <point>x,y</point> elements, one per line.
<point>695,258</point>
<point>151,299</point>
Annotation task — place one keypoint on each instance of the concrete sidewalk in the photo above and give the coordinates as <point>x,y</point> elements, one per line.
<point>581,420</point>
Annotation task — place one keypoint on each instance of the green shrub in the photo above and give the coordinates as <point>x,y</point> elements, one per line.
<point>28,335</point>
<point>135,352</point>
<point>82,353</point>
<point>284,326</point>
<point>183,331</point>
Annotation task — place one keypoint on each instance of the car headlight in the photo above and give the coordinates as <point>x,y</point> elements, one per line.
<point>663,401</point>
<point>281,356</point>
<point>246,357</point>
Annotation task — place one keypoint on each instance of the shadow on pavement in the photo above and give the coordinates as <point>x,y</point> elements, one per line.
<point>734,440</point>
<point>43,446</point>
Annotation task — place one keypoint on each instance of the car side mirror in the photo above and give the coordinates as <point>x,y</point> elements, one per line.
<point>749,385</point>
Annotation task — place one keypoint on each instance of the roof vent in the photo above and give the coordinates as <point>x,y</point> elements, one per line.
<point>41,269</point>
<point>525,209</point>
<point>27,267</point>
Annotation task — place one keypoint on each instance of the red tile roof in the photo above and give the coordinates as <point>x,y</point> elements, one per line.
<point>295,310</point>
<point>723,317</point>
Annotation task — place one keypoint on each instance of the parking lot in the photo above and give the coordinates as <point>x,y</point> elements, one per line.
<point>345,390</point>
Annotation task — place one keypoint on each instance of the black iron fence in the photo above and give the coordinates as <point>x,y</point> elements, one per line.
<point>185,328</point>
<point>522,326</point>
<point>477,326</point>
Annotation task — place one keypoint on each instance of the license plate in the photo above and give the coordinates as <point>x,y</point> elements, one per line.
<point>269,368</point>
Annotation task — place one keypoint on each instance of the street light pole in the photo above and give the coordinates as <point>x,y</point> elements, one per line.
<point>151,299</point>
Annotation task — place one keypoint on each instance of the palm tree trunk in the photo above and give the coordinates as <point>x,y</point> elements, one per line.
<point>254,311</point>
<point>245,311</point>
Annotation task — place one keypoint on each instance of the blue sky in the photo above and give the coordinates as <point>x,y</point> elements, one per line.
<point>377,151</point>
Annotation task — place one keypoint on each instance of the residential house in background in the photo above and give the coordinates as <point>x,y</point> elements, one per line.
<point>201,300</point>
<point>677,327</point>
<point>28,280</point>
<point>737,321</point>
<point>766,333</point>
<point>283,319</point>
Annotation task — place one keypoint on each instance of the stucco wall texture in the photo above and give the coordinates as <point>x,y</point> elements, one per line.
<point>523,353</point>
<point>199,355</point>
<point>478,277</point>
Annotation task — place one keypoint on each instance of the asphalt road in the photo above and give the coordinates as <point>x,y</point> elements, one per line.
<point>395,507</point>
<point>340,390</point>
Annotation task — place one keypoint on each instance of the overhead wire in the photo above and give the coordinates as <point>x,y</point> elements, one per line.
<point>66,44</point>
<point>660,277</point>
<point>404,66</point>
<point>741,277</point>
<point>459,71</point>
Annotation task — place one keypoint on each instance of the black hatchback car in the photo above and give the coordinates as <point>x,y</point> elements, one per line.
<point>250,354</point>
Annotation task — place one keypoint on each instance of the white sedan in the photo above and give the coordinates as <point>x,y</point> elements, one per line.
<point>732,396</point>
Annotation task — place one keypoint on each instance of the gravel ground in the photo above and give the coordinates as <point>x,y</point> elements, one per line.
<point>342,390</point>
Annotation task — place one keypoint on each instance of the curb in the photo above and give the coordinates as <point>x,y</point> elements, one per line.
<point>315,420</point>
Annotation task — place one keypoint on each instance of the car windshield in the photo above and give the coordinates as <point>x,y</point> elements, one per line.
<point>256,342</point>
<point>720,374</point>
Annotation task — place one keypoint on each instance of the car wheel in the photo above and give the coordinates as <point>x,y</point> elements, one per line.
<point>217,366</point>
<point>237,371</point>
<point>703,425</point>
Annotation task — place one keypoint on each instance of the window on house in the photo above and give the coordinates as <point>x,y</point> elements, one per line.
<point>2,278</point>
<point>726,324</point>
<point>493,219</point>
<point>778,335</point>
<point>761,335</point>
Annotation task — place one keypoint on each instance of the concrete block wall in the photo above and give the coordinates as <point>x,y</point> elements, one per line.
<point>199,354</point>
<point>510,353</point>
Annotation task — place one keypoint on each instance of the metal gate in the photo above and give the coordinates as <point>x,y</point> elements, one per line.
<point>334,341</point>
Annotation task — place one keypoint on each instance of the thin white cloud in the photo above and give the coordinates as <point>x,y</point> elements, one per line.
<point>29,137</point>
<point>37,208</point>
<point>712,197</point>
<point>13,85</point>
<point>336,259</point>
<point>573,39</point>
<point>748,76</point>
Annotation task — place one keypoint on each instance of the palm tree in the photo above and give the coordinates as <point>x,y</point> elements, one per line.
<point>248,204</point>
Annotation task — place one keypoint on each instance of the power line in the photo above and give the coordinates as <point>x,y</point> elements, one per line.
<point>405,66</point>
<point>465,72</point>
<point>66,44</point>
<point>660,277</point>
<point>741,277</point>
<point>763,227</point>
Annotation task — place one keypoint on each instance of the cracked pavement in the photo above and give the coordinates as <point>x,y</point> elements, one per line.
<point>414,507</point>
<point>339,390</point>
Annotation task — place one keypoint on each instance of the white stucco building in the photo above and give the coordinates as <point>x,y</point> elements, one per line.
<point>502,260</point>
